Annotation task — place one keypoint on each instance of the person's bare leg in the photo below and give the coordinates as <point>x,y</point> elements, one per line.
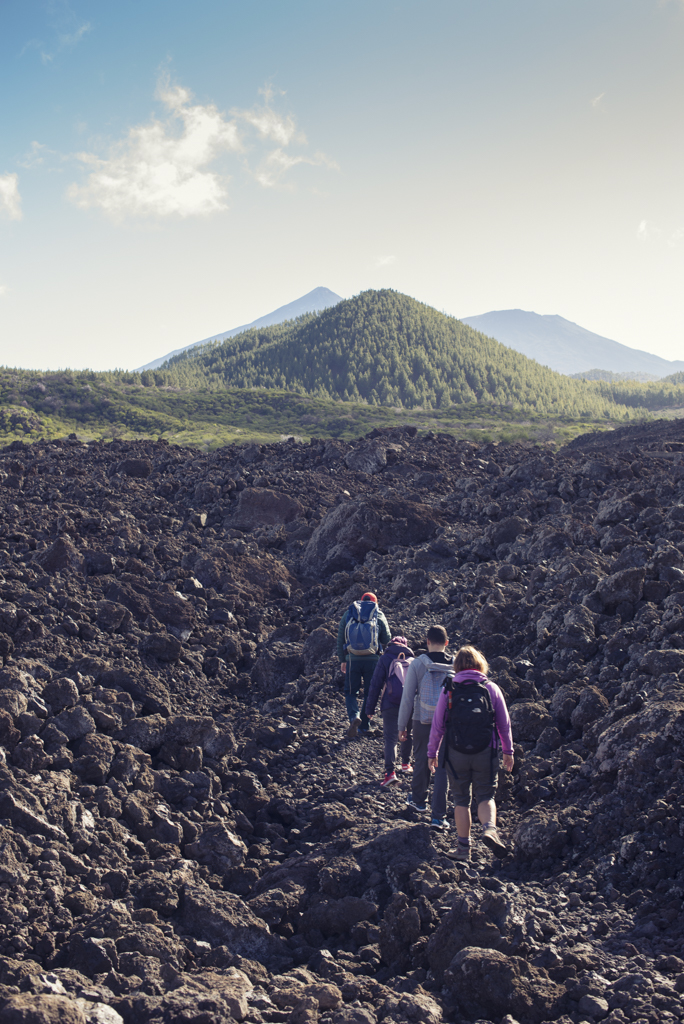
<point>463,821</point>
<point>486,812</point>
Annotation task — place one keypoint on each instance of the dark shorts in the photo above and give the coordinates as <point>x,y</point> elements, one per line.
<point>468,772</point>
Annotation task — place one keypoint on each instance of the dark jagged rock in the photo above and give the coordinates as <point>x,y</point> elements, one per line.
<point>185,832</point>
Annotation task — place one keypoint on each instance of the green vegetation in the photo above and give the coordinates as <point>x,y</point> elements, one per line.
<point>637,375</point>
<point>386,349</point>
<point>376,360</point>
<point>49,405</point>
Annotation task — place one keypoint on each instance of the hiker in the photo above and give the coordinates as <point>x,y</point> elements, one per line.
<point>424,681</point>
<point>362,634</point>
<point>388,679</point>
<point>469,720</point>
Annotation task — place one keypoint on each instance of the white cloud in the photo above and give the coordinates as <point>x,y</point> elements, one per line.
<point>270,124</point>
<point>10,200</point>
<point>648,231</point>
<point>597,99</point>
<point>273,167</point>
<point>3,289</point>
<point>160,170</point>
<point>385,261</point>
<point>36,155</point>
<point>65,41</point>
<point>163,168</point>
<point>62,40</point>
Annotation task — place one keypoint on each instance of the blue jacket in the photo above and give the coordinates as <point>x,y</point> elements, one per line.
<point>380,678</point>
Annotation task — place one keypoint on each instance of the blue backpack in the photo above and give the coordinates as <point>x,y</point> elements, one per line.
<point>361,631</point>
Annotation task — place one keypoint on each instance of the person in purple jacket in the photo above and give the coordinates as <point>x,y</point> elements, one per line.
<point>391,689</point>
<point>477,771</point>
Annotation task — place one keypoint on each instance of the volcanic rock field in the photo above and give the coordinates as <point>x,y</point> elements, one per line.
<point>186,834</point>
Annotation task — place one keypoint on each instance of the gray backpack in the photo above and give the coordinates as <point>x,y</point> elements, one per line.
<point>431,685</point>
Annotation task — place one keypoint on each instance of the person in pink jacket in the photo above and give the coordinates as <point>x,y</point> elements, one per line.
<point>478,770</point>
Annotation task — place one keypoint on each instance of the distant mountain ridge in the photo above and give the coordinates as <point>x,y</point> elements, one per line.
<point>566,347</point>
<point>319,298</point>
<point>385,348</point>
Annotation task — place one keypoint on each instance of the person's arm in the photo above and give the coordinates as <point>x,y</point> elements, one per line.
<point>438,726</point>
<point>341,652</point>
<point>503,725</point>
<point>377,682</point>
<point>384,635</point>
<point>407,698</point>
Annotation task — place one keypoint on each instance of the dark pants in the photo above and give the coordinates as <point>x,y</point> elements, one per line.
<point>421,773</point>
<point>359,671</point>
<point>390,734</point>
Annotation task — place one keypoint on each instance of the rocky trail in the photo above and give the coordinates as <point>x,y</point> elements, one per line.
<point>186,835</point>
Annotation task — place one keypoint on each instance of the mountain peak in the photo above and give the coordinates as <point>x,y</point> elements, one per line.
<point>319,298</point>
<point>564,346</point>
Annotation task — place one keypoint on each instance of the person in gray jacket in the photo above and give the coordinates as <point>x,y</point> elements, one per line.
<point>422,689</point>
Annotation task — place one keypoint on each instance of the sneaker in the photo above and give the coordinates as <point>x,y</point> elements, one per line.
<point>460,852</point>
<point>389,779</point>
<point>439,823</point>
<point>492,839</point>
<point>353,729</point>
<point>406,769</point>
<point>410,802</point>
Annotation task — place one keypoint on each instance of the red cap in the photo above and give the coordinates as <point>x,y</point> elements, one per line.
<point>369,597</point>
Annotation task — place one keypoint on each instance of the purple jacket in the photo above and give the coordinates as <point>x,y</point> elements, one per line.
<point>380,677</point>
<point>501,716</point>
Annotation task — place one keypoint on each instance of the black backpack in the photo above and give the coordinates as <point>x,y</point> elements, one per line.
<point>470,722</point>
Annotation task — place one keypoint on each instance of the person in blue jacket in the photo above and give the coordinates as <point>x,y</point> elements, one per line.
<point>358,668</point>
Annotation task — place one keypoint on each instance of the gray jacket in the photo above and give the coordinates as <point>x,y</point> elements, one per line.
<point>422,688</point>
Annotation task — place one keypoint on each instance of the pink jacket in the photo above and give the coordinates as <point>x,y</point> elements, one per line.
<point>501,716</point>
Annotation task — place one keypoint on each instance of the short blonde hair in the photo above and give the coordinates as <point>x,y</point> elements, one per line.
<point>471,658</point>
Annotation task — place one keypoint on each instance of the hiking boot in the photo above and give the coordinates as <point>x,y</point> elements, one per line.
<point>410,802</point>
<point>439,823</point>
<point>492,839</point>
<point>406,769</point>
<point>460,852</point>
<point>389,779</point>
<point>353,728</point>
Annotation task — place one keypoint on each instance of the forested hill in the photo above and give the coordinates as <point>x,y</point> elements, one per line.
<point>386,348</point>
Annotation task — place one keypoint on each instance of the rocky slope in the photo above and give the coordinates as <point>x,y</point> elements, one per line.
<point>185,833</point>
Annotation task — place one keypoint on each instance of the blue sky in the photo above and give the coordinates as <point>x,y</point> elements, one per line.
<point>171,170</point>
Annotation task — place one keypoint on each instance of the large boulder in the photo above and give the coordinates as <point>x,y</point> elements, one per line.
<point>140,468</point>
<point>486,983</point>
<point>318,649</point>
<point>277,665</point>
<point>369,457</point>
<point>223,919</point>
<point>528,721</point>
<point>487,921</point>
<point>658,663</point>
<point>338,917</point>
<point>540,834</point>
<point>259,506</point>
<point>218,848</point>
<point>169,608</point>
<point>61,557</point>
<point>625,587</point>
<point>349,531</point>
<point>24,1008</point>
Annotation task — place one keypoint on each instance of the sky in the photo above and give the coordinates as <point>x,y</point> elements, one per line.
<point>170,170</point>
